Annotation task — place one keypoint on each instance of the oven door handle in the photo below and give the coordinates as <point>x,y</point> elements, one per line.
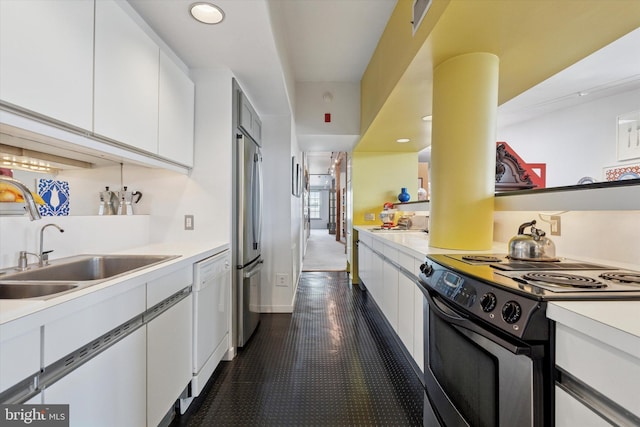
<point>459,321</point>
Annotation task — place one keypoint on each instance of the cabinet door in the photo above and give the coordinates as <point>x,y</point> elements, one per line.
<point>406,323</point>
<point>175,133</point>
<point>377,279</point>
<point>126,79</point>
<point>109,390</point>
<point>418,327</point>
<point>390,288</point>
<point>169,350</point>
<point>46,58</point>
<point>19,356</point>
<point>363,264</point>
<point>249,120</point>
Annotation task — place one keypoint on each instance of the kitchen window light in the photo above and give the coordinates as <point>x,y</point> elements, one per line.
<point>207,13</point>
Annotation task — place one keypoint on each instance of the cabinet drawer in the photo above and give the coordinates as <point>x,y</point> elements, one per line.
<point>163,287</point>
<point>366,239</point>
<point>378,245</point>
<point>69,333</point>
<point>406,262</point>
<point>391,253</point>
<point>618,373</point>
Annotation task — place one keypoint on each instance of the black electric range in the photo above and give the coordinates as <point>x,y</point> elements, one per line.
<point>510,294</point>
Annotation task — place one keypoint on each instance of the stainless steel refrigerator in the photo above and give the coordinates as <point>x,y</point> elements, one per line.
<point>248,226</point>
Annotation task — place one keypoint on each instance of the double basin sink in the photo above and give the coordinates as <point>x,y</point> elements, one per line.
<point>73,273</point>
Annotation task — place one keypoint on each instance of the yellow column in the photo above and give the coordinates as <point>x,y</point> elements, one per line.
<point>465,103</point>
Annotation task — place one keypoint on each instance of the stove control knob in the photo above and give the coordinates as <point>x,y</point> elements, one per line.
<point>488,302</point>
<point>511,312</point>
<point>426,269</point>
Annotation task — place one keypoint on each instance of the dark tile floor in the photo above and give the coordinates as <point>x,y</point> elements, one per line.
<point>333,362</point>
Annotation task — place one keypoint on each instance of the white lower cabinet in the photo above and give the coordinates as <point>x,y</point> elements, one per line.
<point>570,412</point>
<point>19,356</point>
<point>390,290</point>
<point>89,323</point>
<point>169,355</point>
<point>418,329</point>
<point>109,390</point>
<point>395,293</point>
<point>406,316</point>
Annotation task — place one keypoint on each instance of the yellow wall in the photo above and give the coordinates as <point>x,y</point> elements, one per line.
<point>396,49</point>
<point>377,178</point>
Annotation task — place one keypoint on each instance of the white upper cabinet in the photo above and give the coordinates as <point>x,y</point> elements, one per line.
<point>175,135</point>
<point>126,79</point>
<point>46,58</point>
<point>249,120</point>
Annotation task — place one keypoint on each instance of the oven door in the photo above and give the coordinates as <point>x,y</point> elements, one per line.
<point>474,377</point>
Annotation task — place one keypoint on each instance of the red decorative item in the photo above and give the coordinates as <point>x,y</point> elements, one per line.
<point>327,117</point>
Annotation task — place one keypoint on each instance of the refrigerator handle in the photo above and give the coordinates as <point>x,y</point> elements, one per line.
<point>256,195</point>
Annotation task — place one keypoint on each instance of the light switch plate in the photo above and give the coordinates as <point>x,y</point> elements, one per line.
<point>188,222</point>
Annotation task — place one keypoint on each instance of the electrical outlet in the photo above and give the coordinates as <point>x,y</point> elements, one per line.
<point>555,225</point>
<point>369,217</point>
<point>281,279</point>
<point>188,222</point>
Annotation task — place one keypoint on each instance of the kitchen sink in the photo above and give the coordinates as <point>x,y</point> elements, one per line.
<point>88,267</point>
<point>32,290</point>
<point>76,272</point>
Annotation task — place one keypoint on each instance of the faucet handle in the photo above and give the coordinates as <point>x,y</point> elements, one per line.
<point>44,257</point>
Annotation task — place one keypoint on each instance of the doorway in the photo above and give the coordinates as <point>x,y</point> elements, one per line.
<point>325,209</point>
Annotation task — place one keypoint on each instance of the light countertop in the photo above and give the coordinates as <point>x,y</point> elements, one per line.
<point>189,253</point>
<point>416,242</point>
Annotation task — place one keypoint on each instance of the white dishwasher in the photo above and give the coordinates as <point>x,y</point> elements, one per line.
<point>211,301</point>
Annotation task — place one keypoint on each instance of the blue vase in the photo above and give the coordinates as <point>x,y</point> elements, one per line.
<point>404,195</point>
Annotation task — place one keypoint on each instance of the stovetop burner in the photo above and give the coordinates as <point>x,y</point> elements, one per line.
<point>622,277</point>
<point>562,279</point>
<point>481,258</point>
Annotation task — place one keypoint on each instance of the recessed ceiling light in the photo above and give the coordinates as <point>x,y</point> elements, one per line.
<point>207,13</point>
<point>583,93</point>
<point>427,118</point>
<point>403,140</point>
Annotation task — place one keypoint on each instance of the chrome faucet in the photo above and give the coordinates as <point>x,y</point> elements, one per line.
<point>42,255</point>
<point>30,203</point>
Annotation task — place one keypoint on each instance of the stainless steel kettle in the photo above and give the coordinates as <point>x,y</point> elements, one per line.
<point>127,201</point>
<point>108,202</point>
<point>531,247</point>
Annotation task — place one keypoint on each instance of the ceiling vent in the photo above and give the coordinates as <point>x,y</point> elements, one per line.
<point>420,9</point>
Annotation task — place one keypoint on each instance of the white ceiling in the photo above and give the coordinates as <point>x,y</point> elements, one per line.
<point>271,43</point>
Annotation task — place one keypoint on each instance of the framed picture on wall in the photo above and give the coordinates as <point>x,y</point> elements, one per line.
<point>629,136</point>
<point>295,177</point>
